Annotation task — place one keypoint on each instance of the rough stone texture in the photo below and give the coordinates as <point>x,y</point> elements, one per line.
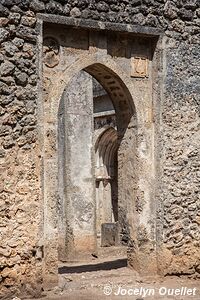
<point>181,125</point>
<point>178,142</point>
<point>20,213</point>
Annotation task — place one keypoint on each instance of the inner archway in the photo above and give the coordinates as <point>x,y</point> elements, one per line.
<point>106,176</point>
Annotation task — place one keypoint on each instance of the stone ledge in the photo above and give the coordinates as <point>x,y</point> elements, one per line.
<point>98,25</point>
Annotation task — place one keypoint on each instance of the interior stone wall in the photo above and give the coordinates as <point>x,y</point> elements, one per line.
<point>177,139</point>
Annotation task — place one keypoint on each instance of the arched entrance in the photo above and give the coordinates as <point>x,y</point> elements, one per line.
<point>85,211</point>
<point>65,129</point>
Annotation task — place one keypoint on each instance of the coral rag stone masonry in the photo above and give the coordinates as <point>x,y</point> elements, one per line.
<point>145,54</point>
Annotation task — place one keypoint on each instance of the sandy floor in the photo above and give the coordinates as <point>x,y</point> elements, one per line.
<point>105,277</point>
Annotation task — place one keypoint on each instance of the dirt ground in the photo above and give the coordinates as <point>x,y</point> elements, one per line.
<point>108,275</point>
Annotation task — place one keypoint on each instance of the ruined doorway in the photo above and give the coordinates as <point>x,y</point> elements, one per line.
<point>121,63</point>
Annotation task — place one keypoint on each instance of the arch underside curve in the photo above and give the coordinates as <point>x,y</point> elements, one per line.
<point>114,80</point>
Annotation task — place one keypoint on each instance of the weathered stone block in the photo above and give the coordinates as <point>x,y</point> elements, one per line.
<point>109,234</point>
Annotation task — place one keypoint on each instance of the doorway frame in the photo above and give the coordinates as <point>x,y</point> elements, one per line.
<point>49,234</point>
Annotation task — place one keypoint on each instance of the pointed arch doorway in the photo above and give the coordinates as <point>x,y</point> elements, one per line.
<point>85,164</point>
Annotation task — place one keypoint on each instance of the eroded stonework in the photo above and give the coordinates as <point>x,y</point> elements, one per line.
<point>95,53</point>
<point>173,116</point>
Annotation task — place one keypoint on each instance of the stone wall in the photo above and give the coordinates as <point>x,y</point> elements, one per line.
<point>181,158</point>
<point>20,203</point>
<point>20,198</point>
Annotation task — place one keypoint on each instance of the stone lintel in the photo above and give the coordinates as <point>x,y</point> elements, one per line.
<point>98,25</point>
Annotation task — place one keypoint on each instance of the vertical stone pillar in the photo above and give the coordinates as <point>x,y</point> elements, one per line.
<point>98,207</point>
<point>50,243</point>
<point>79,179</point>
<point>107,202</point>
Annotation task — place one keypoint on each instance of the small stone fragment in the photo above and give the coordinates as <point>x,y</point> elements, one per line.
<point>54,8</point>
<point>4,12</point>
<point>10,48</point>
<point>28,21</point>
<point>14,18</point>
<point>75,12</point>
<point>3,35</point>
<point>18,42</point>
<point>21,78</point>
<point>37,6</point>
<point>7,68</point>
